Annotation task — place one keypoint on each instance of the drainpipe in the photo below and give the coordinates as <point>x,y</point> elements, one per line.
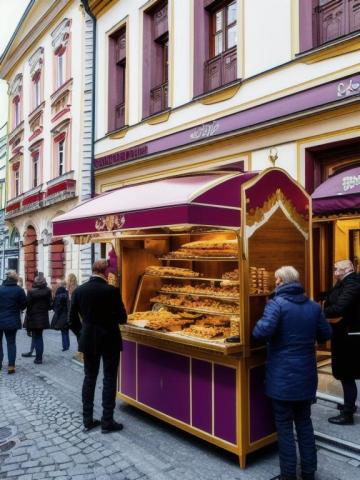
<point>92,187</point>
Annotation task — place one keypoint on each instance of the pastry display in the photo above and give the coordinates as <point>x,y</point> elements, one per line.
<point>150,315</point>
<point>206,332</point>
<point>201,289</point>
<point>198,303</point>
<point>173,271</point>
<point>207,248</point>
<point>233,275</point>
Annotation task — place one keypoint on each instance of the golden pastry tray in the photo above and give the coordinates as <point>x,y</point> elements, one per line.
<point>206,279</point>
<point>197,310</point>
<point>206,295</point>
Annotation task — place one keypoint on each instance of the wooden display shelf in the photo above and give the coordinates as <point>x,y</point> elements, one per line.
<point>205,295</point>
<point>229,283</point>
<point>196,310</point>
<point>200,259</point>
<point>132,332</point>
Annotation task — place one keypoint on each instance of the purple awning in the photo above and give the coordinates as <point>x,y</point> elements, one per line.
<point>339,193</point>
<point>210,199</point>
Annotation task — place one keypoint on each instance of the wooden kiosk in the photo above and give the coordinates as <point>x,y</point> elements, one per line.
<point>185,299</point>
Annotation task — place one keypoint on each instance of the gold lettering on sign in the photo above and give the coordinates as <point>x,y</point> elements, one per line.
<point>108,223</point>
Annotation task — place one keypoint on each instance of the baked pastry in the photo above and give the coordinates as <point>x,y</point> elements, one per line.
<point>207,248</point>
<point>173,271</point>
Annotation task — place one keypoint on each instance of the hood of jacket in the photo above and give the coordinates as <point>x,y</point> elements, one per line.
<point>39,292</point>
<point>293,292</point>
<point>61,291</point>
<point>9,282</point>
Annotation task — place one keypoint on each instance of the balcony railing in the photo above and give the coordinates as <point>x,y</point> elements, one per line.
<point>119,116</point>
<point>159,98</point>
<point>220,70</point>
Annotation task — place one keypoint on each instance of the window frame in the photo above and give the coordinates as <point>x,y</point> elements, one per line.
<point>35,171</point>
<point>61,165</point>
<point>225,27</point>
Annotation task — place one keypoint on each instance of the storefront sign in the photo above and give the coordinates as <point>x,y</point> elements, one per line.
<point>345,89</point>
<point>120,157</point>
<point>109,223</point>
<point>350,182</point>
<point>205,131</point>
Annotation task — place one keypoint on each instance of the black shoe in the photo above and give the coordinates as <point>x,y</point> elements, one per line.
<point>90,425</point>
<point>345,418</point>
<point>27,355</point>
<point>38,362</point>
<point>111,427</point>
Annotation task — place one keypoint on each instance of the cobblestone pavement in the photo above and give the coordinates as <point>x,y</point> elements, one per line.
<point>41,435</point>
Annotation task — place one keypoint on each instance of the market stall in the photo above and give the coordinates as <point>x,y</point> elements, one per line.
<point>197,256</point>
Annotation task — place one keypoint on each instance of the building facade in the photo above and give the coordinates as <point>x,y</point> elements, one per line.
<point>50,134</point>
<point>229,84</point>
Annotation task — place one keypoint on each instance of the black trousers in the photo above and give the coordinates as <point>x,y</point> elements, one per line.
<point>91,368</point>
<point>350,394</point>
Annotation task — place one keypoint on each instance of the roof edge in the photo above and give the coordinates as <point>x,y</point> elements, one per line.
<point>18,26</point>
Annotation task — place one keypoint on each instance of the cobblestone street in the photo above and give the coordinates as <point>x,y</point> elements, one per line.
<point>41,434</point>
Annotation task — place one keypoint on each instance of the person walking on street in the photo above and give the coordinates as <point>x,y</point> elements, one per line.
<point>60,319</point>
<point>342,307</point>
<point>39,304</point>
<point>12,303</point>
<point>291,324</point>
<point>101,309</point>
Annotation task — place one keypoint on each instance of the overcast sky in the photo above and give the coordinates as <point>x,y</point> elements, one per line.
<point>11,12</point>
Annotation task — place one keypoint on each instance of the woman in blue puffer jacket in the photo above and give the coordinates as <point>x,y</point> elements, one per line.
<point>12,302</point>
<point>291,325</point>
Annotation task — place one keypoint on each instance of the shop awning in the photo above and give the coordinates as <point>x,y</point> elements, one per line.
<point>340,193</point>
<point>211,199</point>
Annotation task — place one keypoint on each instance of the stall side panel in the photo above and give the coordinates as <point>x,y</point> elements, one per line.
<point>261,415</point>
<point>164,382</point>
<point>225,403</point>
<point>128,369</point>
<point>201,388</point>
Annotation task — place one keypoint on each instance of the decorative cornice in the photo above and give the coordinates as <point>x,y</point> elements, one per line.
<point>14,55</point>
<point>36,61</point>
<point>61,34</point>
<point>15,87</point>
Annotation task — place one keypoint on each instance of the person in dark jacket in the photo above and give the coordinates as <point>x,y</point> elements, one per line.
<point>342,305</point>
<point>37,315</point>
<point>101,310</point>
<point>12,302</point>
<point>60,319</point>
<point>291,324</point>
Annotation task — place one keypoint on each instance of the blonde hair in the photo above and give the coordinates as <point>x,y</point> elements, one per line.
<point>71,283</point>
<point>288,274</point>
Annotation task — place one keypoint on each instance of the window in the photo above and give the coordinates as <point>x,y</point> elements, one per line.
<point>17,183</point>
<point>16,110</point>
<point>61,157</point>
<point>155,59</point>
<point>36,82</point>
<point>322,21</point>
<point>117,71</point>
<point>224,33</point>
<point>36,165</point>
<point>215,49</point>
<point>60,70</point>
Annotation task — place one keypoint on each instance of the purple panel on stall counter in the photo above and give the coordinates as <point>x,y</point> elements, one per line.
<point>225,403</point>
<point>201,380</point>
<point>261,414</point>
<point>128,369</point>
<point>164,382</point>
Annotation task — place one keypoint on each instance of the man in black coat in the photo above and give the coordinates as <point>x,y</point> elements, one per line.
<point>102,311</point>
<point>343,306</point>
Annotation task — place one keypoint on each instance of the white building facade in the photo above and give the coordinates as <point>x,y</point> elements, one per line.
<point>49,167</point>
<point>190,85</point>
